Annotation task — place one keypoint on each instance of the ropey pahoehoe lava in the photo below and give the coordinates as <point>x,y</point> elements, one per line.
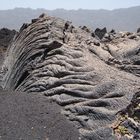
<point>94,76</point>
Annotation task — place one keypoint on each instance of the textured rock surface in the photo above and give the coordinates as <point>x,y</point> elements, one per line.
<point>93,80</point>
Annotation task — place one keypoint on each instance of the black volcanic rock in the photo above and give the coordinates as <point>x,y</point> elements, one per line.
<point>93,81</point>
<point>6,36</point>
<point>138,30</point>
<point>100,32</point>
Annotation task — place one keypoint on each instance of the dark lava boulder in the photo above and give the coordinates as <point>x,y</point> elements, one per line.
<point>138,30</point>
<point>6,36</point>
<point>93,81</point>
<point>100,32</point>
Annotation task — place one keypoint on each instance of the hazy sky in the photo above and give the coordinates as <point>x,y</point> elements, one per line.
<point>69,4</point>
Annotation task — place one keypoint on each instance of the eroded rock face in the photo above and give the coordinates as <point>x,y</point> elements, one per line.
<point>92,80</point>
<point>6,37</point>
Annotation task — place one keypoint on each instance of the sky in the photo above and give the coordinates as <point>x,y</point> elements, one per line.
<point>69,4</point>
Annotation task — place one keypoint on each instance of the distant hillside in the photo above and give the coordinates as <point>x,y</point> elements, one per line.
<point>119,19</point>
